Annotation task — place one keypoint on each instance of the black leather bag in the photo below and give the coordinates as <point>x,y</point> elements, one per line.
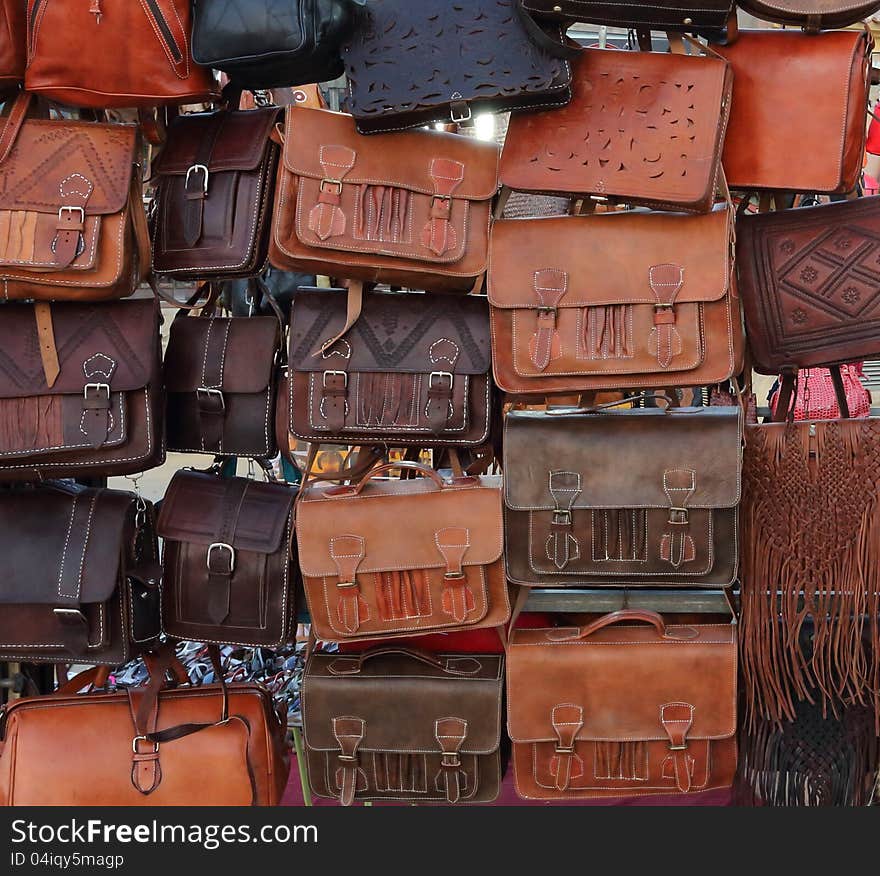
<point>251,298</point>
<point>272,43</point>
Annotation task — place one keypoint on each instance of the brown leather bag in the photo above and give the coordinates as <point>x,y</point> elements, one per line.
<point>217,744</point>
<point>627,299</point>
<point>216,181</point>
<point>386,559</point>
<point>620,138</point>
<point>81,580</point>
<point>614,710</point>
<point>812,15</point>
<point>371,733</point>
<point>80,390</point>
<point>72,222</point>
<point>573,518</point>
<point>114,53</point>
<point>230,575</point>
<point>13,44</point>
<point>410,209</point>
<point>775,142</point>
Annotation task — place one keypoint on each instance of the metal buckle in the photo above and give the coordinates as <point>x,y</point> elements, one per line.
<point>561,749</point>
<point>332,182</point>
<point>678,747</point>
<point>99,388</point>
<point>134,744</point>
<point>347,584</point>
<point>337,373</point>
<point>80,210</point>
<point>72,612</point>
<point>460,118</point>
<point>440,375</point>
<point>221,545</point>
<point>348,758</point>
<point>450,759</point>
<point>684,513</point>
<point>561,517</point>
<point>207,391</point>
<point>454,576</point>
<point>197,168</point>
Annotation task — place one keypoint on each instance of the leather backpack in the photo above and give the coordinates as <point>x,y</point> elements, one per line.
<point>625,299</point>
<point>571,519</point>
<point>611,709</point>
<point>812,15</point>
<point>82,575</point>
<point>114,53</point>
<point>13,44</point>
<point>371,733</point>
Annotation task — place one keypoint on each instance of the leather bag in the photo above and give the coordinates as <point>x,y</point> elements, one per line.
<point>410,209</point>
<point>776,143</point>
<point>72,222</point>
<point>365,577</point>
<point>812,15</point>
<point>114,53</point>
<point>816,395</point>
<point>620,137</point>
<point>82,575</point>
<point>409,64</point>
<point>100,410</point>
<point>400,724</point>
<point>628,299</point>
<point>13,44</point>
<point>573,519</point>
<point>613,709</point>
<point>230,575</point>
<point>273,43</point>
<point>216,179</point>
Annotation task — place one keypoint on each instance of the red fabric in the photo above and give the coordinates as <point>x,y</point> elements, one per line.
<point>873,144</point>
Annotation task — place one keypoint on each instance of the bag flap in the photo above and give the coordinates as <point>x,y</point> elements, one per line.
<point>239,144</point>
<point>795,8</point>
<point>112,342</point>
<point>400,699</point>
<point>54,163</point>
<point>703,444</point>
<point>249,347</point>
<point>398,521</point>
<point>620,677</point>
<point>402,159</point>
<point>608,258</point>
<point>45,563</point>
<point>400,332</point>
<point>198,505</point>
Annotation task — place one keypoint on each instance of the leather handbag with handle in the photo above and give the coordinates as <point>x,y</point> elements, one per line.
<point>815,396</point>
<point>626,299</point>
<point>615,709</point>
<point>13,43</point>
<point>114,53</point>
<point>596,497</point>
<point>371,733</point>
<point>82,575</point>
<point>441,568</point>
<point>811,15</point>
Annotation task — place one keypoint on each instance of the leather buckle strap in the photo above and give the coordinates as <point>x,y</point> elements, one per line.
<point>210,400</point>
<point>677,720</point>
<point>230,553</point>
<point>677,547</point>
<point>220,558</point>
<point>567,720</point>
<point>562,545</point>
<point>95,422</point>
<point>334,399</point>
<point>326,218</point>
<point>450,734</point>
<point>347,552</point>
<point>349,733</point>
<point>75,191</point>
<point>438,409</point>
<point>457,599</point>
<point>198,172</point>
<point>666,281</point>
<point>438,235</point>
<point>550,285</point>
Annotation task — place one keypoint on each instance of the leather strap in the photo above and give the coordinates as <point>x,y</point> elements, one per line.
<point>677,544</point>
<point>563,545</point>
<point>550,286</point>
<point>46,337</point>
<point>438,235</point>
<point>457,599</point>
<point>665,281</point>
<point>14,121</point>
<point>349,733</point>
<point>567,720</point>
<point>562,634</point>
<point>839,391</point>
<point>347,552</point>
<point>198,180</point>
<point>677,720</point>
<point>141,229</point>
<point>450,734</point>
<point>220,557</point>
<point>210,401</point>
<point>354,305</point>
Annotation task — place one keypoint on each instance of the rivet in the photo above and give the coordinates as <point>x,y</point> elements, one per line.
<point>557,9</point>
<point>689,21</point>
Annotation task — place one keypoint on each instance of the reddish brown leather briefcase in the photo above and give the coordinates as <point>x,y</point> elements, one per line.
<point>13,43</point>
<point>615,710</point>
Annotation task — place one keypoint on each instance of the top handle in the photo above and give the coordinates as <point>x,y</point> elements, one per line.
<point>614,617</point>
<point>452,665</point>
<point>386,467</point>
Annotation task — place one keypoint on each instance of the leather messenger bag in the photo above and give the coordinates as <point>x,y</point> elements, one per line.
<point>81,581</point>
<point>400,724</point>
<point>613,709</point>
<point>572,518</point>
<point>391,558</point>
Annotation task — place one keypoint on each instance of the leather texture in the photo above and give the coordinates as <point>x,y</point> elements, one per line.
<point>230,573</point>
<point>397,724</point>
<point>572,520</point>
<point>810,282</point>
<point>626,299</point>
<point>104,412</point>
<point>813,15</point>
<point>621,137</point>
<point>82,575</point>
<point>774,142</point>
<point>13,43</point>
<point>413,370</point>
<point>614,709</point>
<point>273,43</point>
<point>675,15</point>
<point>215,187</point>
<point>412,63</point>
<point>441,568</point>
<point>114,53</point>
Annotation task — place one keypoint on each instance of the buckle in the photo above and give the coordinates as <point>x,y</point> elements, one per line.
<point>197,168</point>
<point>71,613</point>
<point>453,576</point>
<point>346,584</point>
<point>675,520</point>
<point>66,209</point>
<point>218,546</point>
<point>348,758</point>
<point>450,759</point>
<point>457,117</point>
<point>327,374</point>
<point>561,517</point>
<point>203,391</point>
<point>134,744</point>
<point>440,375</point>
<point>565,749</point>
<point>547,311</point>
<point>99,388</point>
<point>332,182</point>
<point>678,747</point>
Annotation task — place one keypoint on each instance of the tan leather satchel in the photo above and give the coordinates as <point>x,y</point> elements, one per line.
<point>611,709</point>
<point>390,558</point>
<point>630,299</point>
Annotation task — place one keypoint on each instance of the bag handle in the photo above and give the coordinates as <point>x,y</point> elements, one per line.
<point>453,665</point>
<point>670,407</point>
<point>403,465</point>
<point>607,620</point>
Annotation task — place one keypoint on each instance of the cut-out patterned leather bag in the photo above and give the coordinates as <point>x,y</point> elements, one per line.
<point>612,709</point>
<point>365,577</point>
<point>642,128</point>
<point>401,724</point>
<point>573,519</point>
<point>628,299</point>
<point>412,63</point>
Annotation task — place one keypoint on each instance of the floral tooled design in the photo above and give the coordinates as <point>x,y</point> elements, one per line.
<point>787,246</point>
<point>851,295</point>
<point>809,274</point>
<point>798,316</point>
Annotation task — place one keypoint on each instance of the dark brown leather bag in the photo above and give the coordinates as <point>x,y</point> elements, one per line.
<point>621,135</point>
<point>613,300</point>
<point>230,574</point>
<point>776,143</point>
<point>100,410</point>
<point>82,575</point>
<point>812,15</point>
<point>573,519</point>
<point>615,710</point>
<point>13,43</point>
<point>216,181</point>
<point>399,724</point>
